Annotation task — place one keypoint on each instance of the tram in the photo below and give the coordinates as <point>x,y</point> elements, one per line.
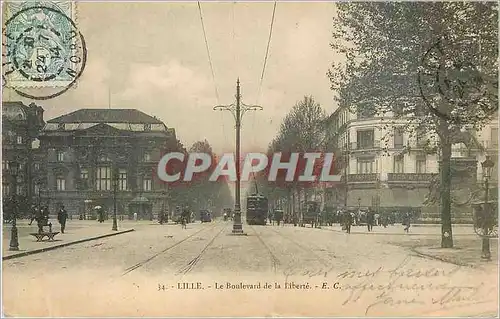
<point>257,209</point>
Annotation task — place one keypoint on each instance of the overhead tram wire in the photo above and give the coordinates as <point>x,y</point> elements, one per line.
<point>267,53</point>
<point>211,69</point>
<point>264,64</point>
<point>208,52</point>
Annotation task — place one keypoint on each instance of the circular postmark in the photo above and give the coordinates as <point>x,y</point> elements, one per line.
<point>43,49</point>
<point>455,85</point>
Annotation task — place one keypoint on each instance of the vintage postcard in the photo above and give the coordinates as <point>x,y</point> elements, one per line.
<point>249,159</point>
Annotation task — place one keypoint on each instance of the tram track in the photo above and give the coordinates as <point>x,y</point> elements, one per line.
<point>191,264</point>
<point>307,249</point>
<point>145,261</point>
<point>276,262</point>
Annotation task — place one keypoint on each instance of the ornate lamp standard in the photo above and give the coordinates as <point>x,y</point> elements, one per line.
<point>115,187</point>
<point>238,111</point>
<point>14,241</point>
<point>487,167</point>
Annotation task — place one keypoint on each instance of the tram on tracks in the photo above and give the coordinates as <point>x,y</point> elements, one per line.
<point>257,209</point>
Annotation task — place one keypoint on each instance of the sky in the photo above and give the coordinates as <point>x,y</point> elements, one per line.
<point>152,57</point>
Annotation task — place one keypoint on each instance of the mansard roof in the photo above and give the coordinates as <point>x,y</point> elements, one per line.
<point>130,116</point>
<point>14,110</point>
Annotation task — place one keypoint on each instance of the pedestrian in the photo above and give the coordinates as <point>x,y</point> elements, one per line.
<point>100,213</point>
<point>135,216</point>
<point>62,216</point>
<point>406,222</point>
<point>348,221</point>
<point>370,219</point>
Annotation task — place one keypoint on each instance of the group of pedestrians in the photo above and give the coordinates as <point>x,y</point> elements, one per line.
<point>349,218</point>
<point>41,215</point>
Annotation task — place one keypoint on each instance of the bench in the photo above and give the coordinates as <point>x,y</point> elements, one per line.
<point>39,236</point>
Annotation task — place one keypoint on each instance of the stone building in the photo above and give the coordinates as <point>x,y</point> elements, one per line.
<point>105,157</point>
<point>386,167</point>
<point>21,125</point>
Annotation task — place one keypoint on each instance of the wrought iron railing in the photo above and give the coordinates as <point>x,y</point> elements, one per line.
<point>365,145</point>
<point>410,177</point>
<point>372,177</point>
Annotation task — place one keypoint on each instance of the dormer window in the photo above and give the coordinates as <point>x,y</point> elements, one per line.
<point>147,127</point>
<point>61,126</point>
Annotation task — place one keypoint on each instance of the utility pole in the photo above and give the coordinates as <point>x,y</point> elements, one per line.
<point>238,110</point>
<point>346,165</point>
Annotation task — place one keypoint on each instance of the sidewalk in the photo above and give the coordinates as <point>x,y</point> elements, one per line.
<point>465,251</point>
<point>415,230</point>
<point>76,232</point>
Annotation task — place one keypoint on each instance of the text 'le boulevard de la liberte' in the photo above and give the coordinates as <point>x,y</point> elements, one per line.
<point>250,286</point>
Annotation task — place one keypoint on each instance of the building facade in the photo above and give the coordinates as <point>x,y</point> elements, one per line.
<point>388,167</point>
<point>105,157</point>
<point>21,126</point>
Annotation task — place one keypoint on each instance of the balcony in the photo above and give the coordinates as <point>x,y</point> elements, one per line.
<point>362,178</point>
<point>365,145</point>
<point>410,177</point>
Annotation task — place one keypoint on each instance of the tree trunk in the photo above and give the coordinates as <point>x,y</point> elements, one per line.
<point>445,195</point>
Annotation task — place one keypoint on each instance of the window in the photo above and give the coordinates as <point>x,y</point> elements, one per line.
<point>60,156</point>
<point>147,184</point>
<point>398,137</point>
<point>37,190</point>
<point>420,164</point>
<point>5,190</point>
<point>60,183</point>
<point>365,139</point>
<point>147,157</point>
<point>147,127</point>
<point>122,179</point>
<point>19,140</point>
<point>420,137</point>
<point>365,166</point>
<point>36,166</point>
<point>104,158</point>
<point>494,137</point>
<point>61,126</point>
<point>103,180</point>
<point>20,190</point>
<point>5,165</point>
<point>84,178</point>
<point>399,164</point>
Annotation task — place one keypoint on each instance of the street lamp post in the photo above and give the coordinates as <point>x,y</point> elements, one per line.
<point>14,240</point>
<point>238,111</point>
<point>487,166</point>
<point>115,186</point>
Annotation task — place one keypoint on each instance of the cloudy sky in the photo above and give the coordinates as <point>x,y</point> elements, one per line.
<point>152,56</point>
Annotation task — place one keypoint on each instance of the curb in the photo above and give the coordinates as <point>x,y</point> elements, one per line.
<point>41,250</point>
<point>418,252</point>
<point>391,234</point>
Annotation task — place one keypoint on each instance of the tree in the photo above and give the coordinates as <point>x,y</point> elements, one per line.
<point>302,130</point>
<point>432,63</point>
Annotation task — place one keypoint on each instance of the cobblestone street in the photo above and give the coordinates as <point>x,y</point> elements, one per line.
<point>144,272</point>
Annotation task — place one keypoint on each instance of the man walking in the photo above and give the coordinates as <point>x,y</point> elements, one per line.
<point>406,222</point>
<point>370,219</point>
<point>62,216</point>
<point>348,221</point>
